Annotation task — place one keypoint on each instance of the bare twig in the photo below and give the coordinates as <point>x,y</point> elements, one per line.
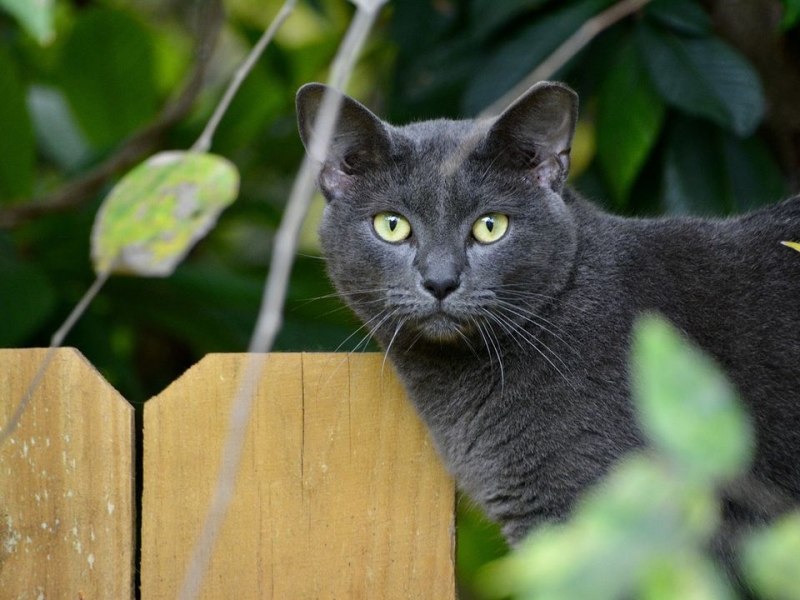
<point>569,48</point>
<point>203,143</point>
<point>270,314</point>
<point>55,342</point>
<point>140,145</point>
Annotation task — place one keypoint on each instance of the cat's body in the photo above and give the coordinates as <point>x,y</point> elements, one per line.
<point>515,350</point>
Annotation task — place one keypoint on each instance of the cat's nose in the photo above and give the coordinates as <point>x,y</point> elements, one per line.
<point>440,288</point>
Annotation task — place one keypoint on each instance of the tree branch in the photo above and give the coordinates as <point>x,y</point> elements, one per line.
<point>135,148</point>
<point>568,49</point>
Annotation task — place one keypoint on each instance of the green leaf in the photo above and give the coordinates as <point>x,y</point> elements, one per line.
<point>36,16</point>
<point>17,153</point>
<point>26,299</point>
<point>688,408</point>
<point>683,16</point>
<point>617,540</point>
<point>57,134</point>
<point>107,74</point>
<point>629,118</point>
<point>793,245</point>
<point>791,14</point>
<point>489,15</point>
<point>732,176</point>
<point>684,575</point>
<point>154,215</point>
<point>703,77</point>
<point>754,175</point>
<point>519,56</point>
<point>771,559</point>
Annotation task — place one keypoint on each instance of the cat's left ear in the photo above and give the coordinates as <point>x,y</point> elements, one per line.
<point>535,133</point>
<point>360,140</point>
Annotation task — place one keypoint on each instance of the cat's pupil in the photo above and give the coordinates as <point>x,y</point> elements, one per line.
<point>489,224</point>
<point>392,223</point>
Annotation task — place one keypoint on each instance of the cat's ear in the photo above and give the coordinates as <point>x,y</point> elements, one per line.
<point>535,133</point>
<point>360,139</point>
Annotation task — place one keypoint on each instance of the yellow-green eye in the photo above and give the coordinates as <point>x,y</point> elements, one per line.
<point>391,227</point>
<point>490,228</point>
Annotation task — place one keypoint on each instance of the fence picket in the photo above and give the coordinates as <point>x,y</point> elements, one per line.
<point>66,482</point>
<point>340,494</point>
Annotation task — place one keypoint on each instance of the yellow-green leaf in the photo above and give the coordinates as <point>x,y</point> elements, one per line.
<point>154,215</point>
<point>793,245</point>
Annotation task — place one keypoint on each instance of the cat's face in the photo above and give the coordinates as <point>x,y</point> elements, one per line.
<point>446,230</point>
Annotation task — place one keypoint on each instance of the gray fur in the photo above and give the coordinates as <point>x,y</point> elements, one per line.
<point>521,372</point>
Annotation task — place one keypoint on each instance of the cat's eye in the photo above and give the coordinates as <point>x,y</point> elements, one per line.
<point>391,227</point>
<point>490,228</point>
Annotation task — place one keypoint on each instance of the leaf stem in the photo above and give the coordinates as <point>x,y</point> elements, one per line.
<point>203,143</point>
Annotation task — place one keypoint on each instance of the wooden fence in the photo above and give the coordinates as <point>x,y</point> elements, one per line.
<point>339,494</point>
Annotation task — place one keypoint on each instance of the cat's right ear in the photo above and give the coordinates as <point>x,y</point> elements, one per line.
<point>360,140</point>
<point>535,133</point>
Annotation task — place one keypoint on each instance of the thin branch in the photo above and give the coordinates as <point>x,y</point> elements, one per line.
<point>270,314</point>
<point>568,49</point>
<point>140,145</point>
<point>203,143</point>
<point>55,342</point>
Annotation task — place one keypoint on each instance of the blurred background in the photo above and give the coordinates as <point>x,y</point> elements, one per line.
<point>687,106</point>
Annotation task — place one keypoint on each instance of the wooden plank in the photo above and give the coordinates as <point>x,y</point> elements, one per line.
<point>66,482</point>
<point>340,494</point>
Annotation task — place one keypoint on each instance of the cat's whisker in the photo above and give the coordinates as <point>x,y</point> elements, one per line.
<point>531,339</point>
<point>400,324</point>
<point>491,336</point>
<point>381,317</point>
<point>510,290</point>
<point>540,322</point>
<point>520,335</point>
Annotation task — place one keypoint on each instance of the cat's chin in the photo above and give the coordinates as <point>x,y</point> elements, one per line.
<point>442,329</point>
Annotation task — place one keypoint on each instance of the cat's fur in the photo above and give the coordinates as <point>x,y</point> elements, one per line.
<point>520,371</point>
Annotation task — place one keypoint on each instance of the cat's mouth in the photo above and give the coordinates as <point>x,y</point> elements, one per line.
<point>442,326</point>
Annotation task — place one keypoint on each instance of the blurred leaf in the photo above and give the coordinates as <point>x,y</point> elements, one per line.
<point>685,576</point>
<point>517,57</point>
<point>619,534</point>
<point>154,215</point>
<point>683,16</point>
<point>629,118</point>
<point>771,559</point>
<point>26,299</point>
<point>36,16</point>
<point>733,175</point>
<point>108,76</point>
<point>17,156</point>
<point>58,135</point>
<point>687,406</point>
<point>793,245</point>
<point>791,14</point>
<point>703,77</point>
<point>489,15</point>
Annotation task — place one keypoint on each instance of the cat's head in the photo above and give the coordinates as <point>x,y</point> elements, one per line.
<point>446,230</point>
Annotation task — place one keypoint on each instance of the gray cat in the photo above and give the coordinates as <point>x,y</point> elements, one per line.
<point>505,301</point>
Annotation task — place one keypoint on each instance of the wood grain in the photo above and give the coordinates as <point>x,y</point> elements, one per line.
<point>66,482</point>
<point>340,494</point>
